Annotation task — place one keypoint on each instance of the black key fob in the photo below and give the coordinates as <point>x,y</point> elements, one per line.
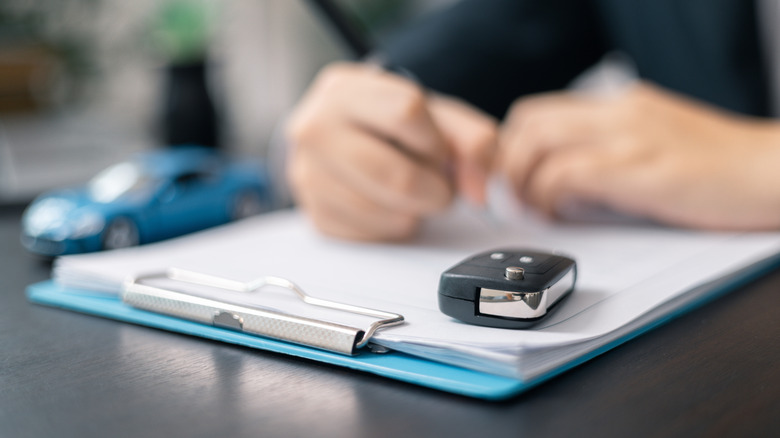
<point>507,288</point>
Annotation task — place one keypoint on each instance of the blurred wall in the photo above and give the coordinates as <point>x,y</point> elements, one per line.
<point>265,53</point>
<point>96,68</point>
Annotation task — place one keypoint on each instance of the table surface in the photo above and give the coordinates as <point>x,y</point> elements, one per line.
<point>713,371</point>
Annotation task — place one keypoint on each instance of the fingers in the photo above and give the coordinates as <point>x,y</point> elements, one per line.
<point>349,214</point>
<point>378,170</point>
<point>592,175</point>
<point>543,125</point>
<point>473,136</point>
<point>367,159</point>
<point>384,104</point>
<point>646,153</point>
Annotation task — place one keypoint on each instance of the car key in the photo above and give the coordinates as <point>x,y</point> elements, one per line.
<point>506,288</point>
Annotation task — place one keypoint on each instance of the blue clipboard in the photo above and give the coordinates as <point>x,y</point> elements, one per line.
<point>395,365</point>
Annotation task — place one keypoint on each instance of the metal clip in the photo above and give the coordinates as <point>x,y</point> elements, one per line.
<point>300,330</point>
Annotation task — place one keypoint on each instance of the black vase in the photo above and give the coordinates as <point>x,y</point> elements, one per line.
<point>189,116</point>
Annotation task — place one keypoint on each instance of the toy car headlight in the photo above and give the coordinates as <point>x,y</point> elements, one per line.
<point>87,224</point>
<point>46,215</point>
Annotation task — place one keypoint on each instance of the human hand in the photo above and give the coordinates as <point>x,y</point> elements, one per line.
<point>646,152</point>
<point>372,154</point>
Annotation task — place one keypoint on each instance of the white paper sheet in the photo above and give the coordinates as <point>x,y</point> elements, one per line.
<point>629,274</point>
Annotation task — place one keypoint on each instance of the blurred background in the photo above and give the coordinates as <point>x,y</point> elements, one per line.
<point>86,83</point>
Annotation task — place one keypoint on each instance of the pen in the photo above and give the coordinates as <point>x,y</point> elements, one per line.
<point>356,40</point>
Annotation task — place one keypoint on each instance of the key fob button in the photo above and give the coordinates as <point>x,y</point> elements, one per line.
<point>532,261</point>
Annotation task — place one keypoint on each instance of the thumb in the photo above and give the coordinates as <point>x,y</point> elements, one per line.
<point>473,137</point>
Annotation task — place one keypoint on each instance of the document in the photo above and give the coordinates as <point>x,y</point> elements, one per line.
<point>630,274</point>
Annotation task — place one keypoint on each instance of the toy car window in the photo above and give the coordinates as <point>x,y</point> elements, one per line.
<point>117,181</point>
<point>191,178</point>
<point>204,174</point>
<point>188,178</point>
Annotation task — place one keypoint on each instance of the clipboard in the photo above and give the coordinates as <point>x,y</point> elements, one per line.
<point>392,364</point>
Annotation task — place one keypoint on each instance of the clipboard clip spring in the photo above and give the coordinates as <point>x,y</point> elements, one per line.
<point>326,335</point>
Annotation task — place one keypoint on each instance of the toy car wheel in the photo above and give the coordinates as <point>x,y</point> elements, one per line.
<point>247,204</point>
<point>120,233</point>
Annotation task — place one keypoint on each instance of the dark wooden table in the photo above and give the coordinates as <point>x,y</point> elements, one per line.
<point>712,372</point>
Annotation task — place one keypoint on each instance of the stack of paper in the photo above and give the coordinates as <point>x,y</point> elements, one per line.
<point>630,276</point>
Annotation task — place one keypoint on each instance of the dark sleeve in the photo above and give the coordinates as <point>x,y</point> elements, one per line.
<point>490,52</point>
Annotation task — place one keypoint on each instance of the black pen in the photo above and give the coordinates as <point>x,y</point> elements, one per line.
<point>358,43</point>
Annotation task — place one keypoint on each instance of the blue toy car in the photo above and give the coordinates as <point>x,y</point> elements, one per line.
<point>157,195</point>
